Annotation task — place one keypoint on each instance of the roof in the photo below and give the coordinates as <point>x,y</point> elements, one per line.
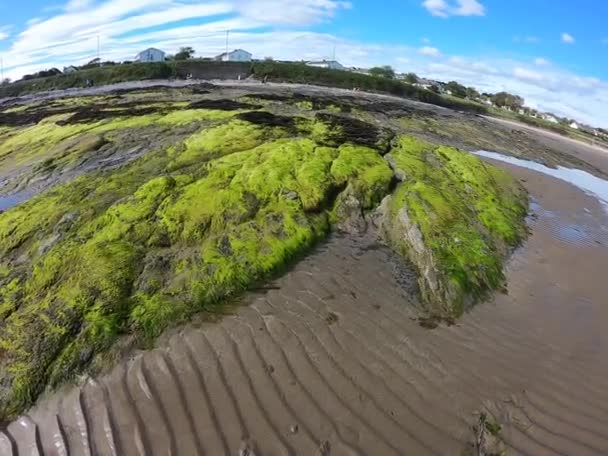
<point>151,49</point>
<point>323,61</point>
<point>232,52</point>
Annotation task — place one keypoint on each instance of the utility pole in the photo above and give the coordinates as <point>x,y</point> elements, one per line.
<point>227,37</point>
<point>98,52</point>
<point>1,70</point>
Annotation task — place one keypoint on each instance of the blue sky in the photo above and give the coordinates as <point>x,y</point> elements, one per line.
<point>552,52</point>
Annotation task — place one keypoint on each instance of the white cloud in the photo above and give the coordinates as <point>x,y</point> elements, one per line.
<point>77,5</point>
<point>5,32</point>
<point>290,12</point>
<point>429,51</point>
<point>446,8</point>
<point>470,8</point>
<point>527,75</point>
<point>541,61</point>
<point>567,38</point>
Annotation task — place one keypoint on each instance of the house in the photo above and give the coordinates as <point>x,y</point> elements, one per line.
<point>150,55</point>
<point>238,55</point>
<point>328,64</point>
<point>550,118</point>
<point>69,69</point>
<point>574,125</point>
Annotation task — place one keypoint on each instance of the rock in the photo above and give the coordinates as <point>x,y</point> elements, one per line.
<point>291,196</point>
<point>66,222</point>
<point>294,429</point>
<point>349,212</point>
<point>399,173</point>
<point>48,243</point>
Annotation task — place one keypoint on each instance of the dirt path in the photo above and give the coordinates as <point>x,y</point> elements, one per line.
<point>330,361</point>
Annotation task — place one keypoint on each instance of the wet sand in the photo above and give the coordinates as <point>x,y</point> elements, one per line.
<point>330,360</point>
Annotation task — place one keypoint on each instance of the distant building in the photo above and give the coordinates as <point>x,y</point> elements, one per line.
<point>238,55</point>
<point>550,118</point>
<point>329,64</point>
<point>69,69</point>
<point>150,55</point>
<point>574,125</point>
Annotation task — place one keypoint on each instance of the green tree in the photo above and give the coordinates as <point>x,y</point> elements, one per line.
<point>472,93</point>
<point>185,53</point>
<point>412,78</point>
<point>385,71</point>
<point>435,88</point>
<point>458,90</point>
<point>5,81</point>
<point>507,100</point>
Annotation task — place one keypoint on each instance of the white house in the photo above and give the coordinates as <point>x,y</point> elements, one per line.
<point>550,118</point>
<point>574,125</point>
<point>69,69</point>
<point>150,55</point>
<point>238,55</point>
<point>329,64</point>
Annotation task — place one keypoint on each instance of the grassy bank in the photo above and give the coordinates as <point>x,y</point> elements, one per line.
<point>304,74</point>
<point>273,71</point>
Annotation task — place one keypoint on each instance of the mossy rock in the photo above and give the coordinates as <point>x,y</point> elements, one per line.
<point>208,213</point>
<point>456,218</point>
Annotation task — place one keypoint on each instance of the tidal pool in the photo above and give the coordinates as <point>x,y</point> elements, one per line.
<point>589,183</point>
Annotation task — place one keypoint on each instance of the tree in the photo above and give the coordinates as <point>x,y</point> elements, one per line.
<point>435,88</point>
<point>383,72</point>
<point>458,90</point>
<point>185,53</point>
<point>507,100</point>
<point>411,78</point>
<point>472,93</point>
<point>5,81</point>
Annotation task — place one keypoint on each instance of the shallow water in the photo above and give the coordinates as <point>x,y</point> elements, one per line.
<point>587,182</point>
<point>7,202</point>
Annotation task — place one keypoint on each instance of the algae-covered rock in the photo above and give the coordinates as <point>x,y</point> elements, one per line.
<point>217,200</point>
<point>135,249</point>
<point>456,218</point>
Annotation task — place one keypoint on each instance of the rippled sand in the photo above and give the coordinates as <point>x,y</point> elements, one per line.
<point>331,361</point>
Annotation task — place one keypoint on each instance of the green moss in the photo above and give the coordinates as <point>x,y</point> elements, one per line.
<point>136,249</point>
<point>224,139</point>
<point>469,215</point>
<point>132,250</point>
<point>305,105</point>
<point>370,174</point>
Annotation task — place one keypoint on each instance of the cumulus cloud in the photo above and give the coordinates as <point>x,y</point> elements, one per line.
<point>446,8</point>
<point>429,51</point>
<point>541,62</point>
<point>567,38</point>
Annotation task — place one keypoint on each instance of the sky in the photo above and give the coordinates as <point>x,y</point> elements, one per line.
<point>551,52</point>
